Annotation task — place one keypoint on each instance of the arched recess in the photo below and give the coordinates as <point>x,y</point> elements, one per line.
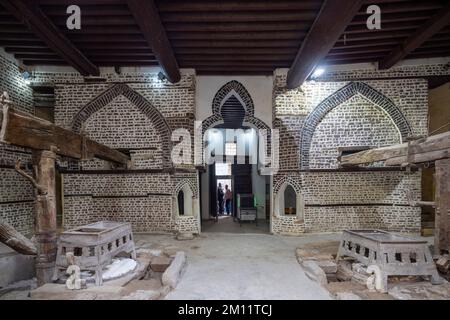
<point>280,200</point>
<point>191,203</point>
<point>339,97</point>
<point>238,90</point>
<point>140,102</point>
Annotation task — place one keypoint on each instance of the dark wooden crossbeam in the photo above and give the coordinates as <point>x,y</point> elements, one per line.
<point>21,129</point>
<point>333,18</point>
<point>147,17</point>
<point>42,26</point>
<point>423,33</point>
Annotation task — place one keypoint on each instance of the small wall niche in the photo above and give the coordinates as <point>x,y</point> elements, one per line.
<point>185,202</point>
<point>289,202</point>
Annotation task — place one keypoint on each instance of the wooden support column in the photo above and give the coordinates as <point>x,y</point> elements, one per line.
<point>442,199</point>
<point>45,224</point>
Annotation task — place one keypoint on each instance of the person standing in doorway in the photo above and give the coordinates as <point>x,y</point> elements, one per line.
<point>228,197</point>
<point>220,198</point>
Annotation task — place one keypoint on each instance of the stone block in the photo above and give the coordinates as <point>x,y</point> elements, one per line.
<point>327,266</point>
<point>173,274</point>
<point>314,272</point>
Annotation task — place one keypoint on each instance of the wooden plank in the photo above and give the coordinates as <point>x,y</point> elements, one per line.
<point>15,240</point>
<point>442,199</point>
<point>423,150</point>
<point>42,26</point>
<point>24,130</point>
<point>331,22</point>
<point>147,16</point>
<point>423,33</point>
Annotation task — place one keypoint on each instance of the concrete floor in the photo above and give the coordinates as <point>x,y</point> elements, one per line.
<point>226,224</point>
<point>241,266</point>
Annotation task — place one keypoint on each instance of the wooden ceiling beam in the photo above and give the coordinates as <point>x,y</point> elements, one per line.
<point>238,57</point>
<point>256,35</point>
<point>333,18</point>
<point>234,50</point>
<point>248,5</point>
<point>235,43</point>
<point>396,7</point>
<point>237,27</point>
<point>365,44</point>
<point>395,17</point>
<point>232,63</point>
<point>147,17</point>
<point>307,15</point>
<point>425,32</point>
<point>42,26</point>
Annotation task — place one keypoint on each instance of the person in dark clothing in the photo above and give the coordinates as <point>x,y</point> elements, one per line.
<point>228,197</point>
<point>220,195</point>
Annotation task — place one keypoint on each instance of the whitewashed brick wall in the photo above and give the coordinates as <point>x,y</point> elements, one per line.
<point>16,194</point>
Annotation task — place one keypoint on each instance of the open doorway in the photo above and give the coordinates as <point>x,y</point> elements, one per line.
<point>237,191</point>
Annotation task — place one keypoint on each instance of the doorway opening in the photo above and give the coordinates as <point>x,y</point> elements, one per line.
<point>237,192</point>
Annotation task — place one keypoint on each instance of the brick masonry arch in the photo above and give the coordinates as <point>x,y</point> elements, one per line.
<point>339,97</point>
<point>187,182</point>
<point>287,180</point>
<point>241,93</point>
<point>140,102</point>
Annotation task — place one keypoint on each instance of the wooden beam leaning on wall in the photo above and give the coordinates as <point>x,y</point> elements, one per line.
<point>30,14</point>
<point>427,149</point>
<point>25,130</point>
<point>333,18</point>
<point>423,33</point>
<point>147,17</point>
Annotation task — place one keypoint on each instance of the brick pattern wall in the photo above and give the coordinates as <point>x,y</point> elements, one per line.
<point>121,125</point>
<point>16,194</point>
<point>357,122</point>
<point>340,200</point>
<point>144,199</point>
<point>335,200</point>
<point>134,111</point>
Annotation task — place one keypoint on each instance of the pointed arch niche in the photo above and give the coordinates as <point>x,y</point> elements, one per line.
<point>288,201</point>
<point>341,96</point>
<point>186,202</point>
<point>140,103</point>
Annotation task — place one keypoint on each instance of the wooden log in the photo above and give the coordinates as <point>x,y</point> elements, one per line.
<point>45,222</point>
<point>28,131</point>
<point>421,150</point>
<point>147,17</point>
<point>44,28</point>
<point>422,204</point>
<point>15,240</point>
<point>334,16</point>
<point>419,157</point>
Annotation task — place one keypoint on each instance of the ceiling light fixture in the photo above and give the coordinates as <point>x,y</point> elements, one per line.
<point>161,76</point>
<point>317,73</point>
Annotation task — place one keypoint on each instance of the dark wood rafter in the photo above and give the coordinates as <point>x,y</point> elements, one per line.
<point>41,25</point>
<point>203,33</point>
<point>330,23</point>
<point>147,16</point>
<point>423,33</point>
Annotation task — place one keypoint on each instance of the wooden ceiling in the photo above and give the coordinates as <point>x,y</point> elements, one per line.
<point>217,37</point>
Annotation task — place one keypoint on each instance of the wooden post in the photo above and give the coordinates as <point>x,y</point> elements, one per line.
<point>442,199</point>
<point>45,224</point>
